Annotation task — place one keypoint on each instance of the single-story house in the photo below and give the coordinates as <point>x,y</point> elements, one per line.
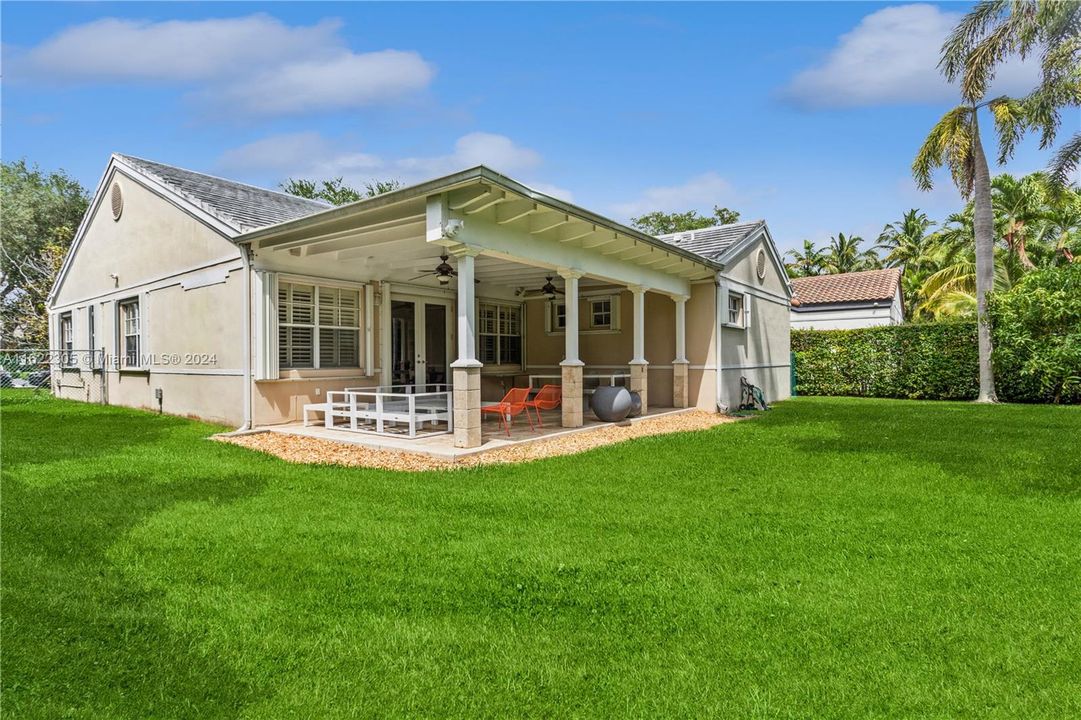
<point>847,300</point>
<point>211,298</point>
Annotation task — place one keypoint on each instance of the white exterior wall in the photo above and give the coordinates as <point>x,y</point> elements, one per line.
<point>850,318</point>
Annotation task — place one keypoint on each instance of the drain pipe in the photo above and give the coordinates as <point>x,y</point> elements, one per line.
<point>245,255</point>
<point>719,331</point>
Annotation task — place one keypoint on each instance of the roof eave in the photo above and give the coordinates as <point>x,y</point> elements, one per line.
<point>455,180</point>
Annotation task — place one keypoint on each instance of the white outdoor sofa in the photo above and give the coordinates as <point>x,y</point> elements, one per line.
<point>388,410</point>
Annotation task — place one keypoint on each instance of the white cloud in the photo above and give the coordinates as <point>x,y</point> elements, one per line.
<point>891,57</point>
<point>249,65</point>
<point>311,155</point>
<point>701,193</point>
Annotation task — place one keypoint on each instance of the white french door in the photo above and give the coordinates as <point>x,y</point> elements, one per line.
<point>420,340</point>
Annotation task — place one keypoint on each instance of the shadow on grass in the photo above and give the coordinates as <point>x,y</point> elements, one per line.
<point>1017,448</point>
<point>79,639</point>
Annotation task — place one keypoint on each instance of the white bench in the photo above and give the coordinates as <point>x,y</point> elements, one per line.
<point>315,408</point>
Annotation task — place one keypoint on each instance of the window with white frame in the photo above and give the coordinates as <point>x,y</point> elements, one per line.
<point>600,313</point>
<point>67,357</point>
<point>318,326</point>
<point>735,309</point>
<point>559,316</point>
<point>499,334</point>
<point>129,332</point>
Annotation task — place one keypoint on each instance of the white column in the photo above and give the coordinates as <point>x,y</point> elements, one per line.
<point>571,367</point>
<point>680,379</point>
<point>570,297</point>
<point>465,371</point>
<point>467,309</point>
<point>639,366</point>
<point>369,335</point>
<point>639,293</point>
<point>681,327</point>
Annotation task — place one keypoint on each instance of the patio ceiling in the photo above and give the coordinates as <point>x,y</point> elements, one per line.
<point>390,237</point>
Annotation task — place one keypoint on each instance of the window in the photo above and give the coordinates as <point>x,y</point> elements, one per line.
<point>318,326</point>
<point>600,313</point>
<point>735,309</point>
<point>559,316</point>
<point>500,334</point>
<point>129,332</point>
<point>91,336</point>
<point>67,357</point>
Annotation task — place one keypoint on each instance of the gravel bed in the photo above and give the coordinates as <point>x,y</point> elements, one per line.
<point>308,450</point>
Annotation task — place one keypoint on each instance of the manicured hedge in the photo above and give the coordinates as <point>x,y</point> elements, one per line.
<point>930,361</point>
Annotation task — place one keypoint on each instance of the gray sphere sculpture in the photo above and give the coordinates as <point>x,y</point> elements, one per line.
<point>636,405</point>
<point>610,404</point>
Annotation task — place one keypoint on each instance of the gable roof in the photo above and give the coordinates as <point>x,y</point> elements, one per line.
<point>865,286</point>
<point>239,206</point>
<point>712,242</point>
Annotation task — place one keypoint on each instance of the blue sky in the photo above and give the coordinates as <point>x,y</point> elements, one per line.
<point>805,114</point>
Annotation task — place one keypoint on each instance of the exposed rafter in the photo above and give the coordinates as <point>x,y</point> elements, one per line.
<point>513,210</point>
<point>577,231</point>
<point>543,222</point>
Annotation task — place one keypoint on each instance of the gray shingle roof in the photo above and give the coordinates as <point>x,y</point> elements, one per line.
<point>240,206</point>
<point>712,242</point>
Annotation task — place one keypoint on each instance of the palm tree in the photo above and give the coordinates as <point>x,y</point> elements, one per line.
<point>844,255</point>
<point>905,241</point>
<point>1018,206</point>
<point>955,142</point>
<point>996,30</point>
<point>1060,226</point>
<point>806,263</point>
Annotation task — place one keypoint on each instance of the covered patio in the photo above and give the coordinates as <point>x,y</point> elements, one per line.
<point>478,284</point>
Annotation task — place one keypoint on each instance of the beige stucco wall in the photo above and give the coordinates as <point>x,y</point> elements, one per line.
<point>192,341</point>
<point>759,352</point>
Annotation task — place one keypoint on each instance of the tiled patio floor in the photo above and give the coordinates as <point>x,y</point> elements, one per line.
<point>442,446</point>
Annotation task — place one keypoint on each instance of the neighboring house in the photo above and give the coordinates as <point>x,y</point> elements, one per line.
<point>847,300</point>
<point>240,305</point>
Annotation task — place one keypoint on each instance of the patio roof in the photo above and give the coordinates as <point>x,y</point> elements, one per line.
<point>384,231</point>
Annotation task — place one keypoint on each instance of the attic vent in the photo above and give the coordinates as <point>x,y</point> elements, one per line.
<point>761,264</point>
<point>116,197</point>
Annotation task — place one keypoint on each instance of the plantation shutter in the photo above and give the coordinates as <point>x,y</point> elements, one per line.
<point>144,359</point>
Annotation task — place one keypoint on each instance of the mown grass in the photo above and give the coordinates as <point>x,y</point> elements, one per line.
<point>832,558</point>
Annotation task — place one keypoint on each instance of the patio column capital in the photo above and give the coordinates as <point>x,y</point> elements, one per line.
<point>570,273</point>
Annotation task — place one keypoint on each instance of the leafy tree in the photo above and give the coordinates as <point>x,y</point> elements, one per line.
<point>844,255</point>
<point>909,244</point>
<point>1018,205</point>
<point>1038,330</point>
<point>335,191</point>
<point>42,211</point>
<point>810,261</point>
<point>662,223</point>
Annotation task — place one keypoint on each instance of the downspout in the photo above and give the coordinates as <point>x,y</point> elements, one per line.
<point>718,330</point>
<point>245,255</point>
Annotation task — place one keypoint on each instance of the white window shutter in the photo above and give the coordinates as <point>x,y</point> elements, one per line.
<point>144,360</point>
<point>266,325</point>
<point>746,310</point>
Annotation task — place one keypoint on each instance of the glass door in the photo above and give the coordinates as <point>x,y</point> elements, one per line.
<point>420,341</point>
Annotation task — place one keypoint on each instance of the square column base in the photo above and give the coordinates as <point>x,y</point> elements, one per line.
<point>640,383</point>
<point>572,396</point>
<point>680,388</point>
<point>466,397</point>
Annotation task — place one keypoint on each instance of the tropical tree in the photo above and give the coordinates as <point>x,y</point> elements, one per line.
<point>996,30</point>
<point>662,223</point>
<point>955,142</point>
<point>1059,230</point>
<point>335,191</point>
<point>1018,205</point>
<point>909,244</point>
<point>844,255</point>
<point>807,262</point>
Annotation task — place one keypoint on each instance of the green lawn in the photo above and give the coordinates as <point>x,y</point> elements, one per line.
<point>832,558</point>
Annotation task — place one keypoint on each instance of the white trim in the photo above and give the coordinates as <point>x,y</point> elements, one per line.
<point>766,295</point>
<point>727,258</point>
<point>154,283</point>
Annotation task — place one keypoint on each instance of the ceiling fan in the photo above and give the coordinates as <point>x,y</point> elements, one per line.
<point>547,290</point>
<point>443,272</point>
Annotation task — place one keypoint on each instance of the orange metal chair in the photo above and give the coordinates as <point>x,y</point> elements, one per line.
<point>515,402</point>
<point>548,397</point>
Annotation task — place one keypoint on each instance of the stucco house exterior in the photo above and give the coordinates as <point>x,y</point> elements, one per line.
<point>210,298</point>
<point>847,300</point>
